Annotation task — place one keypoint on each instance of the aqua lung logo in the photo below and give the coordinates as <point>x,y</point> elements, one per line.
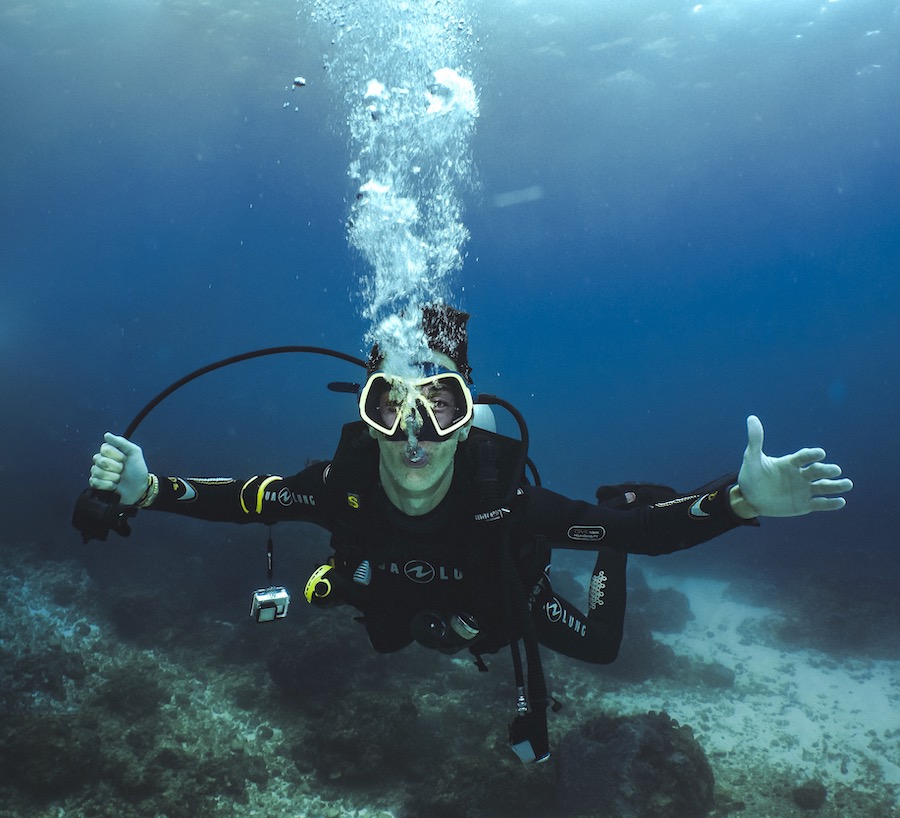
<point>286,497</point>
<point>422,572</point>
<point>419,571</point>
<point>556,612</point>
<point>586,533</point>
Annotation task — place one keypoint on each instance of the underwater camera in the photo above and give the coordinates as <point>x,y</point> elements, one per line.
<point>269,604</point>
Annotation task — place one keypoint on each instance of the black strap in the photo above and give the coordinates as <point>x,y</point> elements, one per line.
<point>528,731</point>
<point>528,736</point>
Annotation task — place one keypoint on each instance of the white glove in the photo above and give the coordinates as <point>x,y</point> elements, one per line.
<point>786,486</point>
<point>119,466</point>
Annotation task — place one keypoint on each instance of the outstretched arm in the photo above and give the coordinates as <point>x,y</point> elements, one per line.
<point>788,486</point>
<point>119,466</point>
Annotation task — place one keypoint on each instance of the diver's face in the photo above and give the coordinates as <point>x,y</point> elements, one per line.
<point>426,471</point>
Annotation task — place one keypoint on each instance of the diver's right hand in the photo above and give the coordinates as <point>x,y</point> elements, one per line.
<point>119,466</point>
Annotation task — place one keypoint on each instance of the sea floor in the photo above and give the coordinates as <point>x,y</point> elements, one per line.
<point>187,721</point>
<point>791,714</point>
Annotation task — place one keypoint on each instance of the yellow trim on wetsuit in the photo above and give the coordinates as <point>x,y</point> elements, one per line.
<point>260,492</point>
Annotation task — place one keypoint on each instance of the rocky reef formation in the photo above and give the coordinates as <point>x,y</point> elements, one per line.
<point>644,766</point>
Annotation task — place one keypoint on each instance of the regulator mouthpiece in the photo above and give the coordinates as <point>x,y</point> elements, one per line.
<point>414,452</point>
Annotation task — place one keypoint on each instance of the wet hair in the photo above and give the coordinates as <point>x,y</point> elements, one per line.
<point>445,330</point>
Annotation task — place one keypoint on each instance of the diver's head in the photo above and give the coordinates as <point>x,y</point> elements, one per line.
<point>419,411</point>
<point>425,395</point>
<point>433,404</point>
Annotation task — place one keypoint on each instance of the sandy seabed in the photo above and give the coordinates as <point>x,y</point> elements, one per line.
<point>790,716</point>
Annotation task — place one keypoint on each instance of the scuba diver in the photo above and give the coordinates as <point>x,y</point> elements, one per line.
<point>440,539</point>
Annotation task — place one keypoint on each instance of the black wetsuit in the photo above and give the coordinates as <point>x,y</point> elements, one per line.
<point>447,561</point>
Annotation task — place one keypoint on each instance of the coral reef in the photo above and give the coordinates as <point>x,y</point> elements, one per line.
<point>810,795</point>
<point>665,610</point>
<point>644,766</point>
<point>48,755</point>
<point>116,705</point>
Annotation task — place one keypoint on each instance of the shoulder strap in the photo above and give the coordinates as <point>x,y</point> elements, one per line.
<point>354,466</point>
<point>496,464</point>
<point>352,480</point>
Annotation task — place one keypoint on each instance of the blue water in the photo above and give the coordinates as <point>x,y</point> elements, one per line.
<point>683,214</point>
<point>711,228</point>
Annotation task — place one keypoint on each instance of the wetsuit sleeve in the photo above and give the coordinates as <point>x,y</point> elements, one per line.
<point>263,498</point>
<point>662,528</point>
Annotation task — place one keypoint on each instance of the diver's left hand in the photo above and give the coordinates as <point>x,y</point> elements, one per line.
<point>786,486</point>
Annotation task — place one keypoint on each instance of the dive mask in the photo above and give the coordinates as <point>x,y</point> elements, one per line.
<point>431,407</point>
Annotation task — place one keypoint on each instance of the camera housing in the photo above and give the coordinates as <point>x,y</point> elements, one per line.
<point>269,604</point>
